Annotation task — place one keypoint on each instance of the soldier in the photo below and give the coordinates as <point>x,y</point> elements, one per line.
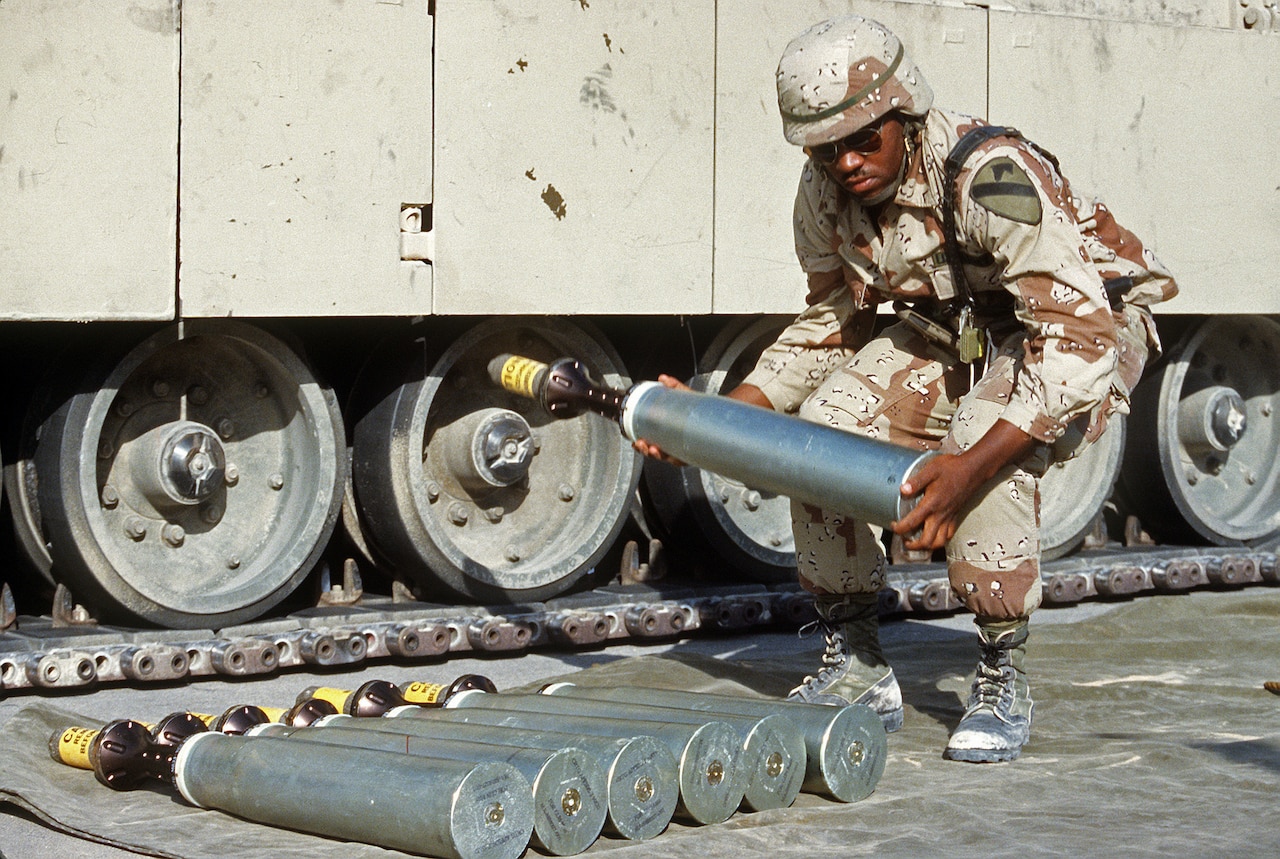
<point>1024,325</point>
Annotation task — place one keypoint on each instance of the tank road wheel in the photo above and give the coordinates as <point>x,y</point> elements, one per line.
<point>20,485</point>
<point>1203,464</point>
<point>194,482</point>
<point>709,514</point>
<point>1073,492</point>
<point>467,488</point>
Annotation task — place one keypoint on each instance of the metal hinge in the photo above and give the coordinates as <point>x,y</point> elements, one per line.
<point>417,239</point>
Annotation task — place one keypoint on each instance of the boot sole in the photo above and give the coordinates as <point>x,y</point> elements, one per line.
<point>981,756</point>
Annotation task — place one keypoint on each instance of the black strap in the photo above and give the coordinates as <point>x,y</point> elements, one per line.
<point>956,158</point>
<point>951,173</point>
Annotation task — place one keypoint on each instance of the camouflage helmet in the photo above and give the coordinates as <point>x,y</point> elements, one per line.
<point>843,74</point>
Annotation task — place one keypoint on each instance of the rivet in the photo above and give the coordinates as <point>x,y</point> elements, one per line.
<point>512,554</point>
<point>198,395</point>
<point>124,408</point>
<point>458,514</point>
<point>211,514</point>
<point>261,391</point>
<point>566,492</point>
<point>106,449</point>
<point>494,514</point>
<point>751,500</point>
<point>276,481</point>
<point>110,498</point>
<point>233,562</point>
<point>226,428</point>
<point>433,492</point>
<point>231,475</point>
<point>160,388</point>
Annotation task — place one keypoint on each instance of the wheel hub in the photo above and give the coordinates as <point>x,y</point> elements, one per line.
<point>193,464</point>
<point>489,449</point>
<point>1212,418</point>
<point>179,464</point>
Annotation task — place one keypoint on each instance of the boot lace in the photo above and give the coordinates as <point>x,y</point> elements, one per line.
<point>834,658</point>
<point>992,689</point>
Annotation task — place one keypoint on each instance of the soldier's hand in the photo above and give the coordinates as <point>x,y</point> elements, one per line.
<point>947,481</point>
<point>943,485</point>
<point>652,450</point>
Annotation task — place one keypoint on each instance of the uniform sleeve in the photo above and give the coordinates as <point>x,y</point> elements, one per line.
<point>798,361</point>
<point>1017,208</point>
<point>813,220</point>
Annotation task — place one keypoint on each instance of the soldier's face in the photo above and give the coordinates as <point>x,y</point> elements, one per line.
<point>867,165</point>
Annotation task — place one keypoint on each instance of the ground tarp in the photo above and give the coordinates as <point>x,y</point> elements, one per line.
<point>1153,736</point>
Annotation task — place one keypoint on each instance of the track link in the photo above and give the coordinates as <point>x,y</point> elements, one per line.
<point>68,650</point>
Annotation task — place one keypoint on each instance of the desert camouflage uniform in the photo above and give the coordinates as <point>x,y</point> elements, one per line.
<point>1063,358</point>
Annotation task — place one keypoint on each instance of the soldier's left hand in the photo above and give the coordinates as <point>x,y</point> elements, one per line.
<point>943,485</point>
<point>945,482</point>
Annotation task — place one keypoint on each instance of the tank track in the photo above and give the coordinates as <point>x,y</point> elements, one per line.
<point>68,649</point>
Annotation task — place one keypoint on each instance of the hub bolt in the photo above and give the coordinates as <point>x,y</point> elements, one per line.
<point>135,528</point>
<point>173,534</point>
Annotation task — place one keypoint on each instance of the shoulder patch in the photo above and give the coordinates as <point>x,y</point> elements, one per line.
<point>1002,187</point>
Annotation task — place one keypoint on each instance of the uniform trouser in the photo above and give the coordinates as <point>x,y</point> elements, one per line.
<point>904,390</point>
<point>901,389</point>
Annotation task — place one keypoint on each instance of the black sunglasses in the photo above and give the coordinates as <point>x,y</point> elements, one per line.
<point>864,141</point>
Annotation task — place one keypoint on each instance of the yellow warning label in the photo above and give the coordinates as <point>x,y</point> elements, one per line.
<point>207,718</point>
<point>275,714</point>
<point>73,747</point>
<point>518,375</point>
<point>336,697</point>
<point>423,693</point>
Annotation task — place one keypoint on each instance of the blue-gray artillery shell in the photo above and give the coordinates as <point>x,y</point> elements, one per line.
<point>568,784</point>
<point>773,750</point>
<point>711,776</point>
<point>767,451</point>
<point>846,746</point>
<point>450,809</point>
<point>643,787</point>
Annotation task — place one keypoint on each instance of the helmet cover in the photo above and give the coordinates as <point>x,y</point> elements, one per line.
<point>843,74</point>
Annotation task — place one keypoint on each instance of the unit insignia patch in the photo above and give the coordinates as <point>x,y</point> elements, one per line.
<point>1002,187</point>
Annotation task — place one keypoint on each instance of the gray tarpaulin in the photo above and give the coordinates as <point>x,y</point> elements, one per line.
<point>1153,737</point>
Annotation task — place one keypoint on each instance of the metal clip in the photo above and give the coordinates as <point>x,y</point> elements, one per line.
<point>971,337</point>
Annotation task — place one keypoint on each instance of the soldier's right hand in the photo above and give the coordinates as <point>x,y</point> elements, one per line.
<point>652,450</point>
